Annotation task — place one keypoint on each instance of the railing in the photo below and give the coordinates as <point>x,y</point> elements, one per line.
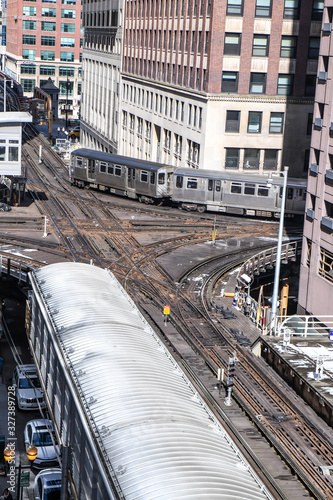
<point>303,326</point>
<point>15,268</point>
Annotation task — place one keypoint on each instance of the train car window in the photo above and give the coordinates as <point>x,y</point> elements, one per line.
<point>192,183</point>
<point>152,177</point>
<point>117,170</point>
<point>102,167</point>
<point>79,161</point>
<point>263,190</point>
<point>179,181</point>
<point>217,186</point>
<point>161,178</point>
<point>290,193</point>
<point>91,166</point>
<point>304,195</point>
<point>144,176</point>
<point>236,187</point>
<point>210,185</point>
<point>249,188</point>
<point>110,169</point>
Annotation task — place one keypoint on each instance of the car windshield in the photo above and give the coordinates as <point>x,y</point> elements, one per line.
<point>52,494</point>
<point>29,383</point>
<point>42,438</point>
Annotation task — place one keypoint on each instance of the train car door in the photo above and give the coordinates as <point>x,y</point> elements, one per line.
<point>214,191</point>
<point>91,169</point>
<point>131,177</point>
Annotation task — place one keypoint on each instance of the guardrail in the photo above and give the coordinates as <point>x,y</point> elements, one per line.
<point>15,268</point>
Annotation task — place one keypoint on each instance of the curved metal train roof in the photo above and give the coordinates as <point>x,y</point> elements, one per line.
<point>154,431</point>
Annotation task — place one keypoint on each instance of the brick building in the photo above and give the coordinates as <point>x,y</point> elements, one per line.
<point>44,39</point>
<point>316,276</point>
<point>210,84</point>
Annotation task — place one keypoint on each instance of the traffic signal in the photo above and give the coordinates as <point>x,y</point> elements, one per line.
<point>231,371</point>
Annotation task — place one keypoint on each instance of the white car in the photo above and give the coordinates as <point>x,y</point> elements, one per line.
<point>27,386</point>
<point>40,432</point>
<point>48,484</point>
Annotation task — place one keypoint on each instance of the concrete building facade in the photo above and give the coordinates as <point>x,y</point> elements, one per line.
<point>208,84</point>
<point>316,276</point>
<point>44,39</point>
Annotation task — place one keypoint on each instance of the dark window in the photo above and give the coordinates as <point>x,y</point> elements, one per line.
<point>110,169</point>
<point>117,170</point>
<point>144,176</point>
<point>263,190</point>
<point>270,159</point>
<point>260,45</point>
<point>152,177</point>
<point>232,158</point>
<point>257,83</point>
<point>102,167</point>
<point>310,85</point>
<point>288,47</point>
<point>314,43</point>
<point>235,8</point>
<point>161,178</point>
<point>291,9</point>
<point>179,181</point>
<point>192,183</point>
<point>317,10</point>
<point>249,188</point>
<point>229,81</point>
<point>251,159</point>
<point>236,188</point>
<point>217,186</point>
<point>309,124</point>
<point>210,185</point>
<point>290,193</point>
<point>232,44</point>
<point>285,84</point>
<point>276,123</point>
<point>232,121</point>
<point>263,8</point>
<point>254,122</point>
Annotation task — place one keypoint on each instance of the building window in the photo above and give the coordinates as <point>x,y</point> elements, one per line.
<point>47,55</point>
<point>47,70</point>
<point>29,54</point>
<point>254,122</point>
<point>314,44</point>
<point>232,121</point>
<point>68,14</point>
<point>66,71</point>
<point>48,40</point>
<point>326,265</point>
<point>310,85</point>
<point>257,83</point>
<point>271,159</point>
<point>67,42</point>
<point>29,25</point>
<point>29,39</point>
<point>308,253</point>
<point>288,47</point>
<point>67,56</point>
<point>285,84</point>
<point>229,81</point>
<point>309,124</point>
<point>49,12</point>
<point>46,26</point>
<point>234,7</point>
<point>232,44</point>
<point>232,158</point>
<point>263,8</point>
<point>276,123</point>
<point>29,11</point>
<point>67,28</point>
<point>291,9</point>
<point>317,10</point>
<point>68,2</point>
<point>193,154</point>
<point>251,159</point>
<point>66,88</point>
<point>260,45</point>
<point>28,85</point>
<point>28,69</point>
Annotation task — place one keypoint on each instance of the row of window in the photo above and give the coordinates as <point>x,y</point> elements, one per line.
<point>193,41</point>
<point>247,188</point>
<point>49,26</point>
<point>48,55</point>
<point>30,69</point>
<point>260,46</point>
<point>50,41</point>
<point>49,12</point>
<point>263,8</point>
<point>66,88</point>
<point>251,158</point>
<point>64,2</point>
<point>285,83</point>
<point>254,122</point>
<point>9,150</point>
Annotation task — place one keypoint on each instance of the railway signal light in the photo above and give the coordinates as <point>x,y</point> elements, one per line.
<point>231,371</point>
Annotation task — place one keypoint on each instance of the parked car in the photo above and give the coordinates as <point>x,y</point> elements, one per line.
<point>48,484</point>
<point>28,389</point>
<point>40,432</point>
<point>75,132</point>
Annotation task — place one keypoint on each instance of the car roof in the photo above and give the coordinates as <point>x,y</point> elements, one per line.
<point>26,369</point>
<point>40,423</point>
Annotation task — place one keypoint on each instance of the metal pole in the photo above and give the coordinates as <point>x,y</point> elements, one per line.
<point>278,252</point>
<point>4,95</point>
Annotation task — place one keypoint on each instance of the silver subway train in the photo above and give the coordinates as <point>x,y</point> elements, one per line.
<point>239,193</point>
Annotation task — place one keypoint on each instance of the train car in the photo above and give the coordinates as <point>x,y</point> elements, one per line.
<point>236,192</point>
<point>131,424</point>
<point>147,181</point>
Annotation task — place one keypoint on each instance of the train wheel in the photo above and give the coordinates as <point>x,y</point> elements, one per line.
<point>201,209</point>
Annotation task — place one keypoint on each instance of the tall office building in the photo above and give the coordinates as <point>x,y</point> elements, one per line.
<point>221,84</point>
<point>316,276</point>
<point>44,39</point>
